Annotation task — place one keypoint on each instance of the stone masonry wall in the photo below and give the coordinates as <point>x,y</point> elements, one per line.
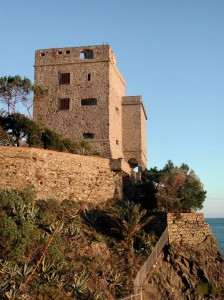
<point>58,175</point>
<point>89,79</point>
<point>134,129</point>
<point>188,228</point>
<point>78,119</point>
<point>116,92</point>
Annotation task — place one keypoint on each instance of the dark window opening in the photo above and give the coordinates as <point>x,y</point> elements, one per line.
<point>89,77</point>
<point>117,142</point>
<point>59,52</point>
<point>88,136</point>
<point>117,109</point>
<point>89,101</point>
<point>64,78</point>
<point>64,103</point>
<point>133,163</point>
<point>68,52</point>
<point>42,54</point>
<point>86,54</point>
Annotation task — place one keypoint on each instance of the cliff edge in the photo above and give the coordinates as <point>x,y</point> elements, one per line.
<point>187,272</point>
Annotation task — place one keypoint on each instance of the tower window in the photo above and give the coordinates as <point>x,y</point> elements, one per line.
<point>88,77</point>
<point>117,142</point>
<point>86,54</point>
<point>64,78</point>
<point>88,135</point>
<point>89,101</point>
<point>67,52</point>
<point>59,52</point>
<point>64,104</point>
<point>42,54</point>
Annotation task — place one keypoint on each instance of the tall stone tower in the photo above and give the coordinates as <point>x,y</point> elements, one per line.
<point>86,100</point>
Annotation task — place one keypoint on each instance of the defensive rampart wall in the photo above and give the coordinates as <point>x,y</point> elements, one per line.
<point>58,175</point>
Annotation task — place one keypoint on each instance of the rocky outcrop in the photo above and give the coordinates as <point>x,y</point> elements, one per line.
<point>183,271</point>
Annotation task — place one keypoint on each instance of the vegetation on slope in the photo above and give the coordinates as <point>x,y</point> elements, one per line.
<point>52,250</point>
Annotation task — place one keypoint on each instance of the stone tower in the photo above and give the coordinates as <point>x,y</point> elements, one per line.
<point>86,100</point>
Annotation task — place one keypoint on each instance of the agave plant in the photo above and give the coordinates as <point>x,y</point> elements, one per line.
<point>13,293</point>
<point>19,209</point>
<point>46,265</point>
<point>9,268</point>
<point>25,211</point>
<point>114,278</point>
<point>80,284</point>
<point>91,217</point>
<point>56,224</point>
<point>74,231</point>
<point>51,272</point>
<point>31,212</point>
<point>98,296</point>
<point>24,270</point>
<point>8,287</point>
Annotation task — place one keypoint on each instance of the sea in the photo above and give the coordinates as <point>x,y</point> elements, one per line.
<point>217,227</point>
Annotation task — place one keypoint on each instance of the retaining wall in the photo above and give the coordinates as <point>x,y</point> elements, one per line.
<point>188,228</point>
<point>58,175</point>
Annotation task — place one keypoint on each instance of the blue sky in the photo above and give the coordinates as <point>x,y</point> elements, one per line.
<point>169,52</point>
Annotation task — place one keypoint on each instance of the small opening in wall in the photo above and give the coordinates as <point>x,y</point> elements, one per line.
<point>117,142</point>
<point>117,109</point>
<point>82,55</point>
<point>89,101</point>
<point>67,52</point>
<point>86,54</point>
<point>89,77</point>
<point>133,163</point>
<point>64,104</point>
<point>88,135</point>
<point>59,52</point>
<point>64,78</point>
<point>42,54</point>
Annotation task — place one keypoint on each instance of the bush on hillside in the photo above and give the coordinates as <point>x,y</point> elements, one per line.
<point>17,129</point>
<point>174,189</point>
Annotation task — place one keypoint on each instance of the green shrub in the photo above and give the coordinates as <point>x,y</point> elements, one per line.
<point>206,289</point>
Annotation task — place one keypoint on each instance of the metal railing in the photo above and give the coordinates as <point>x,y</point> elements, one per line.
<point>142,273</point>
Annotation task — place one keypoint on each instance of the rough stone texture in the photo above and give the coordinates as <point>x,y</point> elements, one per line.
<point>191,259</point>
<point>96,77</point>
<point>181,269</point>
<point>134,133</point>
<point>58,175</point>
<point>120,165</point>
<point>187,228</point>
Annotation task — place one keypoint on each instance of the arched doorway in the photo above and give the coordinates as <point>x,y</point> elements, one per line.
<point>133,163</point>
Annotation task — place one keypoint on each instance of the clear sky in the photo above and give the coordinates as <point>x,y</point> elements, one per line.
<point>169,52</point>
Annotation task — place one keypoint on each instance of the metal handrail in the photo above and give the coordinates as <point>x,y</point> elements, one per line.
<point>142,273</point>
